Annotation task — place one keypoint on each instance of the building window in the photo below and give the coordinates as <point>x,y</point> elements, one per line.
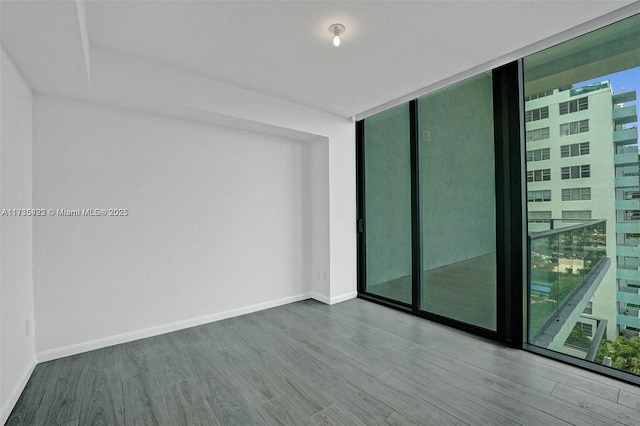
<point>574,105</point>
<point>538,175</point>
<point>588,309</point>
<point>631,215</point>
<point>631,195</point>
<point>536,114</point>
<point>574,128</point>
<point>573,194</point>
<point>539,216</point>
<point>576,214</point>
<point>539,154</point>
<point>586,328</point>
<point>539,196</point>
<point>537,134</point>
<point>575,172</point>
<point>574,149</point>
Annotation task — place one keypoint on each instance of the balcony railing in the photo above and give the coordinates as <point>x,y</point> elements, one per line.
<point>629,182</point>
<point>625,115</point>
<point>589,88</point>
<point>566,266</point>
<point>626,136</point>
<point>619,98</point>
<point>541,225</point>
<point>626,159</point>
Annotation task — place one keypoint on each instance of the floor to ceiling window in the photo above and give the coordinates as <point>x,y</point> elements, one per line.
<point>428,205</point>
<point>583,196</point>
<point>388,204</point>
<point>457,194</point>
<point>508,204</point>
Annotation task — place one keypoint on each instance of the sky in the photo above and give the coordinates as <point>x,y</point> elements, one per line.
<point>629,79</point>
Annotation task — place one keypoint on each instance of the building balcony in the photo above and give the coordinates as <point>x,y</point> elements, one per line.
<point>625,297</point>
<point>628,228</point>
<point>628,251</point>
<point>628,274</point>
<point>623,97</point>
<point>625,115</point>
<point>567,267</point>
<point>629,321</point>
<point>627,182</point>
<point>625,136</point>
<point>631,170</point>
<point>633,262</point>
<point>626,159</point>
<point>631,241</point>
<point>628,204</point>
<point>630,311</point>
<point>630,286</point>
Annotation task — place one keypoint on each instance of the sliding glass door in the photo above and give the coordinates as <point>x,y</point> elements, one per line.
<point>509,204</point>
<point>388,205</point>
<point>458,209</point>
<point>428,206</point>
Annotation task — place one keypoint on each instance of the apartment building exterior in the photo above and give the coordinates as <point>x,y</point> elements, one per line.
<point>582,165</point>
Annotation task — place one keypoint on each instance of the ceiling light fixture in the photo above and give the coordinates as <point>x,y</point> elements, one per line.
<point>336,30</point>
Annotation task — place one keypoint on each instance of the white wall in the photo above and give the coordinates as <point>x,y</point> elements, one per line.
<point>124,80</point>
<point>17,353</point>
<point>216,223</point>
<point>319,221</point>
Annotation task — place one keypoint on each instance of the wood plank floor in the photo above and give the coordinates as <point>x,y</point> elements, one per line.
<point>306,363</point>
<point>475,278</point>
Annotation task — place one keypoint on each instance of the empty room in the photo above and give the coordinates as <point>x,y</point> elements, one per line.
<point>319,212</point>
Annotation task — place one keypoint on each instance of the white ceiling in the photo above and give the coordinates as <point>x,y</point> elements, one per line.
<point>284,49</point>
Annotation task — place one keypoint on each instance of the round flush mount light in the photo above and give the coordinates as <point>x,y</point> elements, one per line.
<point>336,30</point>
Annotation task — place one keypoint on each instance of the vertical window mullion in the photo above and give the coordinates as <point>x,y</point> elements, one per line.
<point>511,239</point>
<point>416,214</point>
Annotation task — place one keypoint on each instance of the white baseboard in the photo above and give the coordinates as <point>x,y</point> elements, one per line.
<point>166,328</point>
<point>333,300</point>
<point>343,297</point>
<point>320,298</point>
<point>15,393</point>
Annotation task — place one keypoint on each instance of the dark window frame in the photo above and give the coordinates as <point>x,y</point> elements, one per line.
<point>510,140</point>
<point>510,243</point>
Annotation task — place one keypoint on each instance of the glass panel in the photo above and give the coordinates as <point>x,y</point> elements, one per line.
<point>388,204</point>
<point>458,202</point>
<point>585,259</point>
<point>561,264</point>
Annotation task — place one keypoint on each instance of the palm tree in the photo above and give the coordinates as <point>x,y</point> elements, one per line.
<point>627,354</point>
